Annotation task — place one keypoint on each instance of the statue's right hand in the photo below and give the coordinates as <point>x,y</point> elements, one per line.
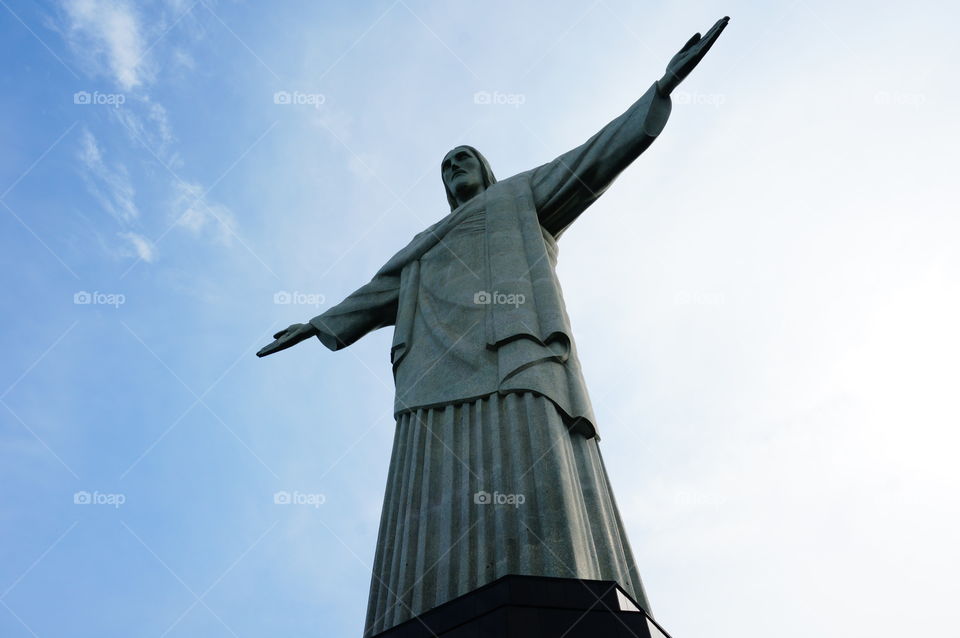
<point>690,56</point>
<point>289,337</point>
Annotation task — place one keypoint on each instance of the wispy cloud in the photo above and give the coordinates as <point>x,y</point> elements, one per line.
<point>109,184</point>
<point>127,43</point>
<point>142,247</point>
<point>150,128</point>
<point>106,35</point>
<point>197,215</point>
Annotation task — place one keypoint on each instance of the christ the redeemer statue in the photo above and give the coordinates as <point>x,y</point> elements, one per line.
<point>491,406</point>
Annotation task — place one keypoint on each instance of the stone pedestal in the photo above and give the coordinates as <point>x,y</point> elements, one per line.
<point>534,607</point>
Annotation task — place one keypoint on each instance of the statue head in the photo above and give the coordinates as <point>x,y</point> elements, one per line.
<point>466,173</point>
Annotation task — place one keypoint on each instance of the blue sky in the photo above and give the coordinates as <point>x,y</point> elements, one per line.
<point>765,303</point>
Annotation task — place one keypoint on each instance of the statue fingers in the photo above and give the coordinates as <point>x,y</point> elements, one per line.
<point>289,330</point>
<point>715,31</point>
<point>280,344</point>
<point>709,40</point>
<point>692,41</point>
<point>270,348</point>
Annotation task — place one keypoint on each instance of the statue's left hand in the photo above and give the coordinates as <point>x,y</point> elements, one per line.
<point>289,337</point>
<point>689,57</point>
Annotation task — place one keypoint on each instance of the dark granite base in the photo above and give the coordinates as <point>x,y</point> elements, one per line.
<point>534,607</point>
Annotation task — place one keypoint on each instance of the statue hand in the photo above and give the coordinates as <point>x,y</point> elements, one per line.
<point>289,337</point>
<point>689,57</point>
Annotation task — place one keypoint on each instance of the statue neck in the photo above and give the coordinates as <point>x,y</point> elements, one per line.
<point>467,194</point>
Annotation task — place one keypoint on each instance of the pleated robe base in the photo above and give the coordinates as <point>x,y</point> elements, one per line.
<point>488,488</point>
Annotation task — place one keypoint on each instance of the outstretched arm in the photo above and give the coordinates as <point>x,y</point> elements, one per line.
<point>370,307</point>
<point>565,187</point>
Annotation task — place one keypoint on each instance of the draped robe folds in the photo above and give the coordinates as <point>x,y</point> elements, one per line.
<point>489,391</point>
<point>525,215</point>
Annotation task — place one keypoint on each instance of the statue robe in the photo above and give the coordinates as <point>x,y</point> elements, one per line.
<point>489,393</point>
<point>527,346</point>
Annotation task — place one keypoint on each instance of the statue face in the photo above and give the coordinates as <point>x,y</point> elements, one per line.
<point>462,173</point>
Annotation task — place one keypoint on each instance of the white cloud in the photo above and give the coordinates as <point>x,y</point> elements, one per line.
<point>110,185</point>
<point>195,213</point>
<point>183,59</point>
<point>150,129</point>
<point>107,33</point>
<point>142,247</point>
<point>108,38</point>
